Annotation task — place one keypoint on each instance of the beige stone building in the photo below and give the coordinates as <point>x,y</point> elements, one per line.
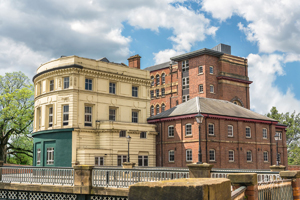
<point>85,108</point>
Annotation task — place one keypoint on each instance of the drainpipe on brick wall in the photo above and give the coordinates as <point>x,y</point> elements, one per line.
<point>171,69</point>
<point>161,146</point>
<point>271,152</point>
<point>206,157</point>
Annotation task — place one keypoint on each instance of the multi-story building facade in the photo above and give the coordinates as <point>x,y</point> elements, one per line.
<point>211,73</point>
<point>85,109</point>
<point>231,136</point>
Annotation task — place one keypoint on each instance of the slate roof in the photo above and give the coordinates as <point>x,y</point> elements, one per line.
<point>211,106</point>
<point>157,67</point>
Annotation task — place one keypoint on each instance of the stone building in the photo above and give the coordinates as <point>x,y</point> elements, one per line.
<point>85,108</point>
<point>231,136</point>
<point>211,73</point>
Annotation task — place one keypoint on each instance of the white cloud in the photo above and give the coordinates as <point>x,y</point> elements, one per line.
<point>165,55</point>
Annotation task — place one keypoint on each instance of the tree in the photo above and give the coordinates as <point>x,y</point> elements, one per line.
<point>292,121</point>
<point>16,113</point>
<point>24,142</point>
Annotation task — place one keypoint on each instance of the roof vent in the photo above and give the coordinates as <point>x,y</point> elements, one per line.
<point>224,48</point>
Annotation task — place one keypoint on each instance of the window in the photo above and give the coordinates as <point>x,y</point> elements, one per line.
<point>188,129</point>
<point>112,88</point>
<point>171,131</point>
<point>162,92</point>
<point>38,156</point>
<point>212,155</point>
<point>249,156</point>
<point>189,155</point>
<point>211,130</point>
<point>143,161</point>
<point>41,87</point>
<point>50,116</point>
<point>264,133</point>
<point>39,117</point>
<point>99,161</point>
<point>65,115</point>
<point>177,102</point>
<point>211,89</point>
<point>152,78</point>
<point>200,70</point>
<point>112,114</point>
<point>51,85</point>
<point>134,117</point>
<point>185,98</point>
<point>211,70</point>
<point>152,111</point>
<point>122,134</point>
<point>248,132</point>
<point>266,159</point>
<point>201,88</point>
<point>50,156</point>
<point>231,156</point>
<point>157,93</point>
<point>280,135</point>
<point>157,109</point>
<point>88,116</point>
<point>171,156</point>
<point>230,130</point>
<point>66,82</point>
<point>163,78</point>
<point>163,107</point>
<point>157,79</point>
<point>88,84</point>
<point>152,94</point>
<point>185,83</point>
<point>121,159</point>
<point>185,65</point>
<point>134,91</point>
<point>143,135</point>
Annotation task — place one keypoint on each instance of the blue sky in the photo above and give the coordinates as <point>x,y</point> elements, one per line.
<point>267,33</point>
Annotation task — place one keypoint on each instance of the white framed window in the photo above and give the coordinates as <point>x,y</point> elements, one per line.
<point>50,116</point>
<point>248,132</point>
<point>266,156</point>
<point>99,161</point>
<point>152,94</point>
<point>211,129</point>
<point>152,111</point>
<point>88,84</point>
<point>157,93</point>
<point>143,161</point>
<point>157,109</point>
<point>163,107</point>
<point>185,98</point>
<point>200,70</point>
<point>38,156</point>
<point>185,65</point>
<point>112,114</point>
<point>51,84</point>
<point>211,70</point>
<point>231,156</point>
<point>211,89</point>
<point>157,80</point>
<point>265,135</point>
<point>152,78</point>
<point>88,116</point>
<point>66,82</point>
<point>163,78</point>
<point>212,155</point>
<point>112,88</point>
<point>188,129</point>
<point>189,155</point>
<point>249,156</point>
<point>134,117</point>
<point>122,133</point>
<point>280,135</point>
<point>163,92</point>
<point>65,115</point>
<point>143,135</point>
<point>201,88</point>
<point>121,159</point>
<point>50,155</point>
<point>171,131</point>
<point>185,83</point>
<point>171,156</point>
<point>135,91</point>
<point>230,130</point>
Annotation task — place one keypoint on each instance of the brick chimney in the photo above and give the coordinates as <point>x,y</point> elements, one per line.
<point>134,61</point>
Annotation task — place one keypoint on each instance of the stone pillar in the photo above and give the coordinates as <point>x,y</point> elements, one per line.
<point>199,170</point>
<point>128,165</point>
<point>246,179</point>
<point>82,179</point>
<point>295,176</point>
<point>275,168</point>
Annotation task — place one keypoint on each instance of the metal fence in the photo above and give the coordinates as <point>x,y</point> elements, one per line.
<point>275,190</point>
<point>120,178</point>
<point>40,175</point>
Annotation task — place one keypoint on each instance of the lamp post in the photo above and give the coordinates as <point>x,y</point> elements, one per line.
<point>277,156</point>
<point>199,119</point>
<point>128,140</point>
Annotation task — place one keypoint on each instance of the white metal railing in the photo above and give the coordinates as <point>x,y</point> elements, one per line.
<point>121,178</point>
<point>53,176</point>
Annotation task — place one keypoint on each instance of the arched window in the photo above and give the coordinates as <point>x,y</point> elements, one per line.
<point>157,109</point>
<point>157,79</point>
<point>163,107</point>
<point>163,78</point>
<point>152,110</point>
<point>152,78</point>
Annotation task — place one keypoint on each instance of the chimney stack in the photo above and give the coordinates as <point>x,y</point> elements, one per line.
<point>134,61</point>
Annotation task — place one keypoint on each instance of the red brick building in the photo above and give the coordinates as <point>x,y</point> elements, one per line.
<point>231,136</point>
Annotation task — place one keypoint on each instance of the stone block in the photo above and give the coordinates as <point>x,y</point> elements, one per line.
<point>199,170</point>
<point>128,165</point>
<point>289,174</point>
<point>244,179</point>
<point>277,168</point>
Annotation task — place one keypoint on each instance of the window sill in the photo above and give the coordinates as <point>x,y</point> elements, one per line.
<point>212,93</point>
<point>200,74</point>
<point>171,161</point>
<point>266,162</point>
<point>265,138</point>
<point>211,135</point>
<point>170,136</point>
<point>230,136</point>
<point>231,161</point>
<point>248,137</point>
<point>201,92</point>
<point>188,136</point>
<point>189,161</point>
<point>249,161</point>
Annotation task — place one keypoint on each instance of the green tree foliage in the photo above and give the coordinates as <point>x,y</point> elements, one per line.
<point>21,157</point>
<point>292,121</point>
<point>16,114</point>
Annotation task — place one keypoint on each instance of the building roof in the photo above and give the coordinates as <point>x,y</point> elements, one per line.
<point>159,66</point>
<point>213,107</point>
<point>197,53</point>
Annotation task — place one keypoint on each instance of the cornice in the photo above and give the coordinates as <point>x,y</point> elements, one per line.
<point>234,79</point>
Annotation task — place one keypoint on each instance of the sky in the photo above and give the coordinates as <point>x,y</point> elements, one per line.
<point>266,32</point>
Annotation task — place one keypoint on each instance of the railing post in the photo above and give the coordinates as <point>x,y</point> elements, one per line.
<point>82,179</point>
<point>199,170</point>
<point>295,176</point>
<point>1,165</point>
<point>246,179</point>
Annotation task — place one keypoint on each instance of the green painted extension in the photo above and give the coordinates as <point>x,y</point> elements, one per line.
<point>60,140</point>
